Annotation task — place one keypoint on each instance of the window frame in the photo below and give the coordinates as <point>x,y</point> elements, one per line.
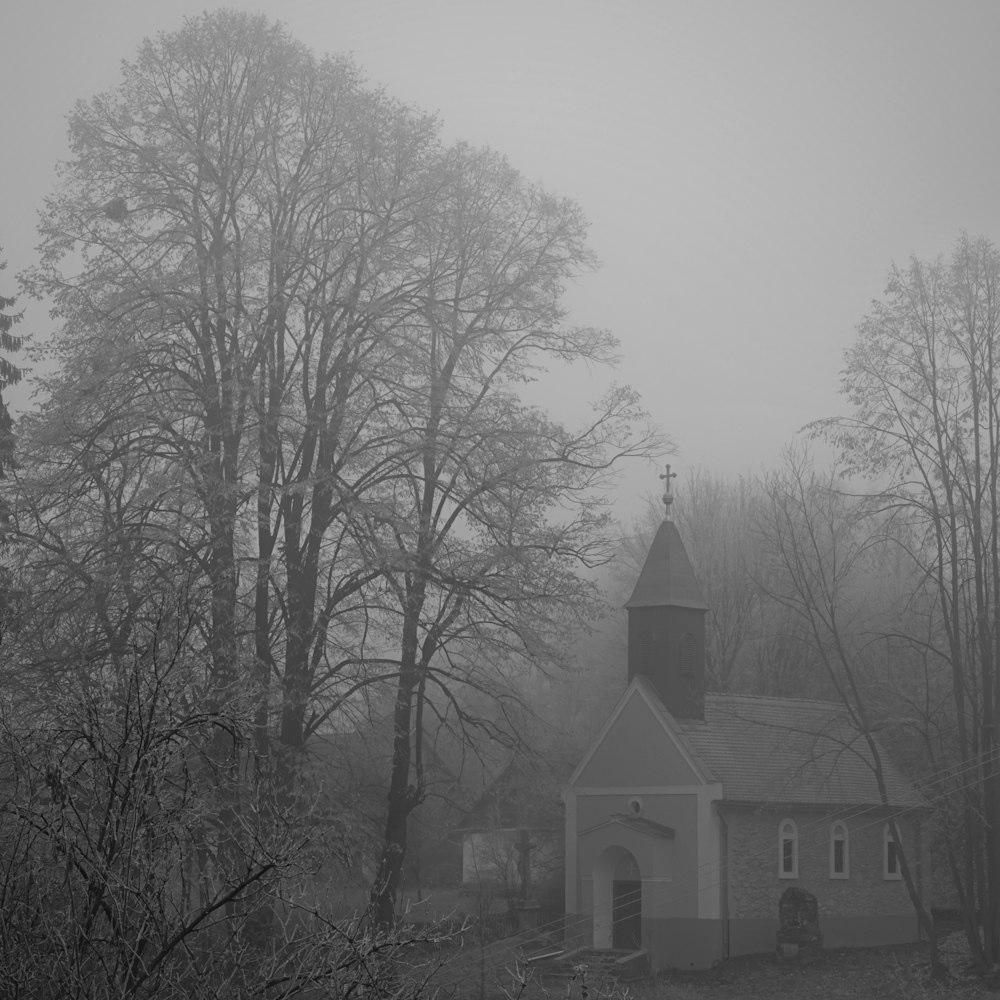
<point>887,839</point>
<point>788,831</point>
<point>839,834</point>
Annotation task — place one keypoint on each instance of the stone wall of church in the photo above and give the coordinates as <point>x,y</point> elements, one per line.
<point>754,886</point>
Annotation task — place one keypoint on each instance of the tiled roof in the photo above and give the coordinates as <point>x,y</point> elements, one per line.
<point>518,797</point>
<point>790,751</point>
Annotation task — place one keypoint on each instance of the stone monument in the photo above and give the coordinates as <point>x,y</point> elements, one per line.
<point>799,936</point>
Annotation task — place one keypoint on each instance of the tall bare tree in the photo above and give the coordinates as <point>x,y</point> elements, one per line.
<point>825,549</point>
<point>925,428</point>
<point>305,321</point>
<point>495,506</point>
<point>244,211</point>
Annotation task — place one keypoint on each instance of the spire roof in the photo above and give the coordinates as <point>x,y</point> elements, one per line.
<point>667,578</point>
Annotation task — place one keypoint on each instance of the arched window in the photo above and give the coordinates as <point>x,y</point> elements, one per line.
<point>890,854</point>
<point>788,850</point>
<point>840,856</point>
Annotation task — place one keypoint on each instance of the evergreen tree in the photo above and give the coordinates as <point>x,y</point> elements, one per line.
<point>10,374</point>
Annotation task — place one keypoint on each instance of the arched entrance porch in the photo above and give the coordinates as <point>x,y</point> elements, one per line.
<point>617,900</point>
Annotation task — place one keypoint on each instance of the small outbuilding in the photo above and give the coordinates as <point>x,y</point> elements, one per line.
<point>512,836</point>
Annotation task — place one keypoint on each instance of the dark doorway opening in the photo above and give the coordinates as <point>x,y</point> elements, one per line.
<point>626,902</point>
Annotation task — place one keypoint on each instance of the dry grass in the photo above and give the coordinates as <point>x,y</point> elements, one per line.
<point>901,973</point>
<point>875,974</point>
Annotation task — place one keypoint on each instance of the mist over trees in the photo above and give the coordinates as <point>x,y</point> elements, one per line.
<point>281,483</point>
<point>10,374</point>
<point>922,382</point>
<point>875,583</point>
<point>284,545</point>
<point>752,645</point>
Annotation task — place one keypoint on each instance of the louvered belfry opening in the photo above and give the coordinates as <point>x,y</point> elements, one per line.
<point>666,626</point>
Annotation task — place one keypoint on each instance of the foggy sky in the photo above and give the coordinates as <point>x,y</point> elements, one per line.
<point>751,168</point>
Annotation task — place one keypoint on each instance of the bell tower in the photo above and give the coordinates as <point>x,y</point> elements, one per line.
<point>666,622</point>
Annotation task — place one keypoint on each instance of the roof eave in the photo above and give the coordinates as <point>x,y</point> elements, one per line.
<point>784,804</point>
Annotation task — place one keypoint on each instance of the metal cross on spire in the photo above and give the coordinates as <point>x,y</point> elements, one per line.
<point>668,497</point>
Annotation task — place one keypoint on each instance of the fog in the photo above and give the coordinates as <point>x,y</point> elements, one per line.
<point>750,171</point>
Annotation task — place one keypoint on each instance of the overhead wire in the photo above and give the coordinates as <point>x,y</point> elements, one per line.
<point>666,891</point>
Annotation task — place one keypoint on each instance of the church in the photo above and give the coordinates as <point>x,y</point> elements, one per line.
<point>691,813</point>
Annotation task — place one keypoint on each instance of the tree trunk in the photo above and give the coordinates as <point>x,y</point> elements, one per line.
<point>403,796</point>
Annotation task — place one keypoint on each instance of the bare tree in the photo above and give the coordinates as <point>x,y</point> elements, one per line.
<point>825,549</point>
<point>113,882</point>
<point>495,506</point>
<point>925,429</point>
<point>245,211</point>
<point>751,644</point>
<point>306,322</point>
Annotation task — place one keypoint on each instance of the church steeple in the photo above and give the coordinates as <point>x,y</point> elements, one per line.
<point>666,623</point>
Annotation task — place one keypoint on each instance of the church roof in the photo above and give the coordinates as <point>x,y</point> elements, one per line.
<point>521,796</point>
<point>790,751</point>
<point>667,578</point>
